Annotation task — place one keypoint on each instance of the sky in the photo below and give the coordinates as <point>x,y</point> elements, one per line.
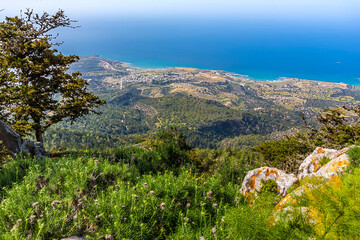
<point>281,9</point>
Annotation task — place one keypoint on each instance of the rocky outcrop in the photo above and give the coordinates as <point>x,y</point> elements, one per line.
<point>34,149</point>
<point>335,167</point>
<point>10,138</point>
<point>325,165</point>
<point>311,166</point>
<point>254,180</point>
<point>312,163</point>
<point>12,142</point>
<point>328,174</point>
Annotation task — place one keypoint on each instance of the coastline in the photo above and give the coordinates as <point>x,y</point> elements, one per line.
<point>258,76</point>
<point>249,77</point>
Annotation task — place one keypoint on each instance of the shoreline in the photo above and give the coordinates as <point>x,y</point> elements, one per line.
<point>248,77</point>
<point>241,75</point>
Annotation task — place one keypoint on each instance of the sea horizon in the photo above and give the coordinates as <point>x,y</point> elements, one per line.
<point>263,51</point>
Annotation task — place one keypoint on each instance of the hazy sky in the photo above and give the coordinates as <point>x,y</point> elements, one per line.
<point>328,9</point>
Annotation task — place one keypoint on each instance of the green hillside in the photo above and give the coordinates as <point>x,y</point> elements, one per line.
<point>208,105</point>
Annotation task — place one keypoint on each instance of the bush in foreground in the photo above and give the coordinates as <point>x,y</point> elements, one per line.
<point>92,197</point>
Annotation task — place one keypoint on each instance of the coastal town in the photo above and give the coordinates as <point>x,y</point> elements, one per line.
<point>291,93</point>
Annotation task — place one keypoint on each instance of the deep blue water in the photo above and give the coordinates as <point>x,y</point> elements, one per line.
<point>266,50</point>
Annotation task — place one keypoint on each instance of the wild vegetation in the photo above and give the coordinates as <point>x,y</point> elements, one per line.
<point>160,189</point>
<point>152,184</point>
<point>339,127</point>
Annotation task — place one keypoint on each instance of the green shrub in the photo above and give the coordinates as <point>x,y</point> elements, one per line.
<point>335,207</point>
<point>165,157</point>
<point>94,197</point>
<point>268,187</point>
<point>12,171</point>
<point>285,154</point>
<point>244,222</point>
<point>324,161</point>
<point>354,154</point>
<point>232,164</point>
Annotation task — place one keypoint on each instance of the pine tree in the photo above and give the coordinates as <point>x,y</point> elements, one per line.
<point>36,89</point>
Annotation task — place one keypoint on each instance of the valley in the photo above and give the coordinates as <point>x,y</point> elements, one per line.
<point>209,106</point>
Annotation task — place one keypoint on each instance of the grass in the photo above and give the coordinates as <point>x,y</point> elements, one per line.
<point>324,161</point>
<point>121,196</point>
<point>96,197</point>
<point>102,197</point>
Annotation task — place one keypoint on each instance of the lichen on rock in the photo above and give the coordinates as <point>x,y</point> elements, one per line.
<point>311,164</point>
<point>254,179</point>
<point>317,177</point>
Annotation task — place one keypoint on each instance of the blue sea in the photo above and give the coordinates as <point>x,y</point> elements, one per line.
<point>261,49</point>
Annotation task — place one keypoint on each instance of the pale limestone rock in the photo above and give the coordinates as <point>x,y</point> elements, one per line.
<point>329,173</point>
<point>311,164</point>
<point>254,178</point>
<point>334,167</point>
<point>289,213</point>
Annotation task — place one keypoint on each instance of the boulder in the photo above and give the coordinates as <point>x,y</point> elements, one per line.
<point>329,173</point>
<point>254,180</point>
<point>289,213</point>
<point>10,138</point>
<point>311,164</point>
<point>291,207</point>
<point>12,142</point>
<point>34,149</point>
<point>335,167</point>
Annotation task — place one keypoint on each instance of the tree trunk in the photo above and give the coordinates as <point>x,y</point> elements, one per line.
<point>10,138</point>
<point>38,131</point>
<point>39,136</point>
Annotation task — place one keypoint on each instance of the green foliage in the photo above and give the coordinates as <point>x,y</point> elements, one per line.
<point>334,206</point>
<point>169,136</point>
<point>244,141</point>
<point>324,161</point>
<point>339,128</point>
<point>93,197</point>
<point>33,74</point>
<point>269,186</point>
<point>286,153</point>
<point>12,172</point>
<point>354,154</point>
<point>61,139</point>
<point>165,158</point>
<point>246,222</point>
<point>4,153</point>
<point>232,164</point>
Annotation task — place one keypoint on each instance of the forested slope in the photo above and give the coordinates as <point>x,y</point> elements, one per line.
<point>208,105</point>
